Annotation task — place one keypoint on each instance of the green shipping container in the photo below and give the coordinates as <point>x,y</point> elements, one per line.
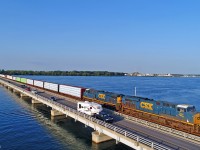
<point>18,79</point>
<point>23,80</point>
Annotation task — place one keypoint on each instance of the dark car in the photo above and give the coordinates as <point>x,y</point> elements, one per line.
<point>28,88</point>
<point>104,117</point>
<point>52,98</point>
<point>23,86</point>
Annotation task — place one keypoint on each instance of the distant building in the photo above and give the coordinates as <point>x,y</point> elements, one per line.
<point>149,75</point>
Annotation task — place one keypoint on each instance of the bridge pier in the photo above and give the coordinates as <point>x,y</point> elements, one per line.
<point>16,92</point>
<point>100,137</point>
<point>24,96</point>
<point>55,113</point>
<point>11,89</point>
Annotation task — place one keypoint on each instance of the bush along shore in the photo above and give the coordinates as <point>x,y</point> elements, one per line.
<point>61,73</point>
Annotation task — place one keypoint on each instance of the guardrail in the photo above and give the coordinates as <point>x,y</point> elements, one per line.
<point>123,132</point>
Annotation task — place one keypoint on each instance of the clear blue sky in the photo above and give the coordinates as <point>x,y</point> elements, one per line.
<point>149,36</point>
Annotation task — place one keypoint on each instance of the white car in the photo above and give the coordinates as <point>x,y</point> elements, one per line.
<point>34,92</point>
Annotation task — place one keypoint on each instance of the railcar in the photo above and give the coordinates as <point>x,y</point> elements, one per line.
<point>30,82</point>
<point>38,83</point>
<point>18,79</point>
<point>71,91</point>
<point>107,99</point>
<point>51,86</point>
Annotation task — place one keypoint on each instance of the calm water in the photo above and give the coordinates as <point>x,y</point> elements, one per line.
<point>23,126</point>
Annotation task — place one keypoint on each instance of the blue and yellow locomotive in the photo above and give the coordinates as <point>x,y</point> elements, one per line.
<point>179,116</point>
<point>108,99</point>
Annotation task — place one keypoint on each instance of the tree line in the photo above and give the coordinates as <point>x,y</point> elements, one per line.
<point>61,73</point>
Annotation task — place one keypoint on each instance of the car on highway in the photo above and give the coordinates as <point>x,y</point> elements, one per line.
<point>28,88</point>
<point>104,117</point>
<point>52,98</point>
<point>34,91</point>
<point>23,86</point>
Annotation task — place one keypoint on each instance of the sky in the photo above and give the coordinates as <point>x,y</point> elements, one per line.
<point>148,36</point>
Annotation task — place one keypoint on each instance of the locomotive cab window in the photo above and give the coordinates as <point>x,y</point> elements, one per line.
<point>191,109</point>
<point>79,105</point>
<point>181,109</point>
<point>186,108</point>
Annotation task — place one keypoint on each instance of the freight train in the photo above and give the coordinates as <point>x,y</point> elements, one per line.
<point>182,117</point>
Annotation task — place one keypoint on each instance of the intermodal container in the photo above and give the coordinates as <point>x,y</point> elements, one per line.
<point>9,77</point>
<point>51,86</point>
<point>29,81</point>
<point>18,79</point>
<point>1,75</point>
<point>38,83</point>
<point>23,80</point>
<point>71,90</point>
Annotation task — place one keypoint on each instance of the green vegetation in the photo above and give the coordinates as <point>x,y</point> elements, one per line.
<point>61,73</point>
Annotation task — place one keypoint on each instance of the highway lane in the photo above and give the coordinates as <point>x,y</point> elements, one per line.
<point>168,140</point>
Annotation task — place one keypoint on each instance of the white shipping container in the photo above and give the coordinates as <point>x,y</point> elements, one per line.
<point>38,83</point>
<point>9,77</point>
<point>14,78</point>
<point>1,75</point>
<point>51,86</point>
<point>29,81</point>
<point>70,90</point>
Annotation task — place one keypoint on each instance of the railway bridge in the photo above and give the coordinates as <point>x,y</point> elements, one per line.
<point>120,132</point>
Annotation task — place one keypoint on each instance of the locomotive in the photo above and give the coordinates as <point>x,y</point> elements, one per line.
<point>179,116</point>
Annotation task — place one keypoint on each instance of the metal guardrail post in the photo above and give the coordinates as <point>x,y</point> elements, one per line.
<point>106,125</point>
<point>152,145</point>
<point>138,138</point>
<point>115,129</point>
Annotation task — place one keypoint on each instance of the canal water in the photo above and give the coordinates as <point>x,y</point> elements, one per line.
<point>23,126</point>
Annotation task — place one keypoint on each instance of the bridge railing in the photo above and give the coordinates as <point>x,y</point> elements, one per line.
<point>134,136</point>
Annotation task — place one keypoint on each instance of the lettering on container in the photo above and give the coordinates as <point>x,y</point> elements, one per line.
<point>102,96</point>
<point>145,105</point>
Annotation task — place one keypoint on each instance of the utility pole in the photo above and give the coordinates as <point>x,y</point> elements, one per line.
<point>135,91</point>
